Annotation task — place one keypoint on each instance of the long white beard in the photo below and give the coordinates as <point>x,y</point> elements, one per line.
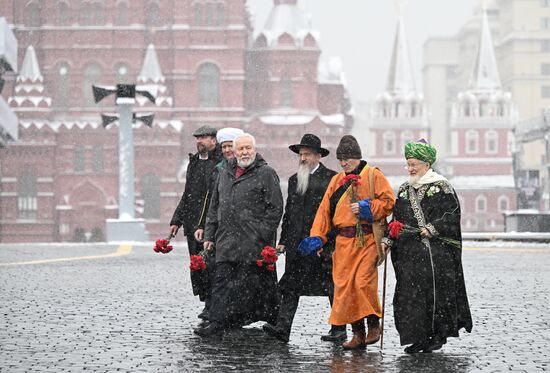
<point>303,178</point>
<point>245,164</point>
<point>413,180</point>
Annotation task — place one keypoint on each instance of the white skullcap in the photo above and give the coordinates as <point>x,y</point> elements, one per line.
<point>228,134</point>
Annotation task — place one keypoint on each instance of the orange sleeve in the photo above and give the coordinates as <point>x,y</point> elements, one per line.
<point>384,201</point>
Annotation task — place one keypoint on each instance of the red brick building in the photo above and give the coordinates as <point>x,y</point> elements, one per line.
<point>59,182</point>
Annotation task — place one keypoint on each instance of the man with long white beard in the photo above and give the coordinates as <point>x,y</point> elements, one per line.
<point>304,275</point>
<point>244,213</point>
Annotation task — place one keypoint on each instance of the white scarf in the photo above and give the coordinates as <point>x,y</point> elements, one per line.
<point>429,177</point>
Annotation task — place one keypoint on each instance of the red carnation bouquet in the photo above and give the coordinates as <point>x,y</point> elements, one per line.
<point>162,245</point>
<point>352,191</point>
<point>397,228</point>
<point>197,262</point>
<point>269,257</point>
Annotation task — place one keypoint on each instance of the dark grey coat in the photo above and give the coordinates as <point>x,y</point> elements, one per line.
<point>244,213</point>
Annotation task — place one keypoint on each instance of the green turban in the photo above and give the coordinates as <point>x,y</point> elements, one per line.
<point>420,150</point>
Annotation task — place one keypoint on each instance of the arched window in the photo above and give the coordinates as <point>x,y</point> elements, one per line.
<point>33,14</point>
<point>26,195</point>
<point>122,74</point>
<point>79,158</point>
<point>97,159</point>
<point>152,14</point>
<point>63,14</point>
<point>491,142</point>
<point>122,14</point>
<point>97,14</point>
<point>388,141</point>
<point>209,16</point>
<point>209,80</point>
<point>286,91</point>
<point>220,14</point>
<point>86,18</point>
<point>92,75</point>
<point>406,136</point>
<point>63,85</point>
<point>472,142</point>
<point>150,192</point>
<point>503,203</point>
<point>198,14</point>
<point>481,204</point>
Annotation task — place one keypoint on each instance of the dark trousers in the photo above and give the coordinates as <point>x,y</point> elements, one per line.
<point>289,304</point>
<point>201,281</point>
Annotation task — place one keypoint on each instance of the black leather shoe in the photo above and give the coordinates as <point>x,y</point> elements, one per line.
<point>275,332</point>
<point>335,335</point>
<point>416,348</point>
<point>209,331</point>
<point>435,344</point>
<point>204,314</point>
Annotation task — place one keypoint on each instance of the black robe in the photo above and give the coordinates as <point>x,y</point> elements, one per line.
<point>306,274</point>
<point>422,310</point>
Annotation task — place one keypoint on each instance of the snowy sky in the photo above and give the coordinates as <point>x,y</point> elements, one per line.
<point>361,32</point>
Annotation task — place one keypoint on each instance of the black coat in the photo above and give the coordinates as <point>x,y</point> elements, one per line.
<point>192,202</point>
<point>308,275</point>
<point>244,213</point>
<point>418,267</point>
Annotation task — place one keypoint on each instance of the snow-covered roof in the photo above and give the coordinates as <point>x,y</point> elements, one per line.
<point>8,47</point>
<point>301,119</point>
<point>483,182</point>
<point>150,70</point>
<point>83,124</point>
<point>331,71</point>
<point>30,71</point>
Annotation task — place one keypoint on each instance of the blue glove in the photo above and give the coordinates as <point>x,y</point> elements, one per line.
<point>310,245</point>
<point>365,212</point>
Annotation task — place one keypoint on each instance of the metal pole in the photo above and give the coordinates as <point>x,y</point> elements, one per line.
<point>125,163</point>
<point>383,305</point>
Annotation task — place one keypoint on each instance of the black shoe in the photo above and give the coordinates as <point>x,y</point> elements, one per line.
<point>435,344</point>
<point>275,332</point>
<point>416,348</point>
<point>210,330</point>
<point>204,314</point>
<point>336,334</point>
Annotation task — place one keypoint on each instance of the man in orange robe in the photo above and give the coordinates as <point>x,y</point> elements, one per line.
<point>354,272</point>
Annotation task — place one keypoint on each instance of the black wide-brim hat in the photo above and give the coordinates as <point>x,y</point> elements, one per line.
<point>312,142</point>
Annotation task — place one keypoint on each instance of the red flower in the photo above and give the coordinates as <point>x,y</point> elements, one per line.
<point>269,257</point>
<point>259,263</point>
<point>197,263</point>
<point>271,267</point>
<point>161,246</point>
<point>353,177</point>
<point>395,227</point>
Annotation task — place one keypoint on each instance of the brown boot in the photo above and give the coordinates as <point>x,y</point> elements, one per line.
<point>358,340</point>
<point>374,332</point>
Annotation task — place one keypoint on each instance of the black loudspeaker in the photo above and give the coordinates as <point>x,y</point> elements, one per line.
<point>107,119</point>
<point>100,92</point>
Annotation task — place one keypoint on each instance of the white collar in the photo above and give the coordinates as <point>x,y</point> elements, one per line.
<point>315,169</point>
<point>429,177</point>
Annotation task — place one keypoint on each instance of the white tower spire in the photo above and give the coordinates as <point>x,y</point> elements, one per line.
<point>400,77</point>
<point>485,76</point>
<point>30,71</point>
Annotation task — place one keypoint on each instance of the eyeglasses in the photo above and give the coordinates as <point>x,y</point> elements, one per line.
<point>414,166</point>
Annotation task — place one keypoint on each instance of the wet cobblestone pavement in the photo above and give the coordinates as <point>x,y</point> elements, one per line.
<point>123,309</point>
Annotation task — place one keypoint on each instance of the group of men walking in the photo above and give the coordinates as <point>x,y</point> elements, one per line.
<point>232,206</point>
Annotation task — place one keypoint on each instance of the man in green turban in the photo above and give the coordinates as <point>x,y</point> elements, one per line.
<point>421,150</point>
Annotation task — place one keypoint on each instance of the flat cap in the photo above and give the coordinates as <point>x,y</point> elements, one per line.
<point>205,131</point>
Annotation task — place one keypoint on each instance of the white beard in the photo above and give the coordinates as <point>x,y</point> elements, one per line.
<point>303,178</point>
<point>245,164</point>
<point>413,179</point>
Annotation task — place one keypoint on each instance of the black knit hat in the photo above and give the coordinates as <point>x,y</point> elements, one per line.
<point>348,148</point>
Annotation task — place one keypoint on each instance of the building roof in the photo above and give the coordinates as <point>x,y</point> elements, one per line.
<point>30,71</point>
<point>485,76</point>
<point>150,70</point>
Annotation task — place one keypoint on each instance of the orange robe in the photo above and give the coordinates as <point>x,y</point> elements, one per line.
<point>354,268</point>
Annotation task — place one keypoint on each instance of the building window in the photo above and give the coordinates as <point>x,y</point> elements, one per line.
<point>209,77</point>
<point>220,15</point>
<point>545,45</point>
<point>388,142</point>
<point>545,91</point>
<point>209,14</point>
<point>62,14</point>
<point>122,14</point>
<point>152,14</point>
<point>26,195</point>
<point>92,75</point>
<point>79,158</point>
<point>491,142</point>
<point>406,136</point>
<point>198,14</point>
<point>472,142</point>
<point>97,159</point>
<point>545,23</point>
<point>33,15</point>
<point>503,203</point>
<point>63,85</point>
<point>97,14</point>
<point>545,3</point>
<point>545,69</point>
<point>86,14</point>
<point>286,91</point>
<point>481,204</point>
<point>150,193</point>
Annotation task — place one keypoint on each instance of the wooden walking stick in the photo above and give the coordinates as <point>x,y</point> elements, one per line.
<point>383,305</point>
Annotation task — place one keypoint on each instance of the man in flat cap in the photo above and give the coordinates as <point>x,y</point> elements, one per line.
<point>347,207</point>
<point>430,302</point>
<point>191,206</point>
<point>304,275</point>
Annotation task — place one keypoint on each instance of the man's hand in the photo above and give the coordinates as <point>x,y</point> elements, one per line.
<point>355,208</point>
<point>199,233</point>
<point>174,230</point>
<point>424,232</point>
<point>319,252</point>
<point>385,248</point>
<point>208,245</point>
<point>280,248</point>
